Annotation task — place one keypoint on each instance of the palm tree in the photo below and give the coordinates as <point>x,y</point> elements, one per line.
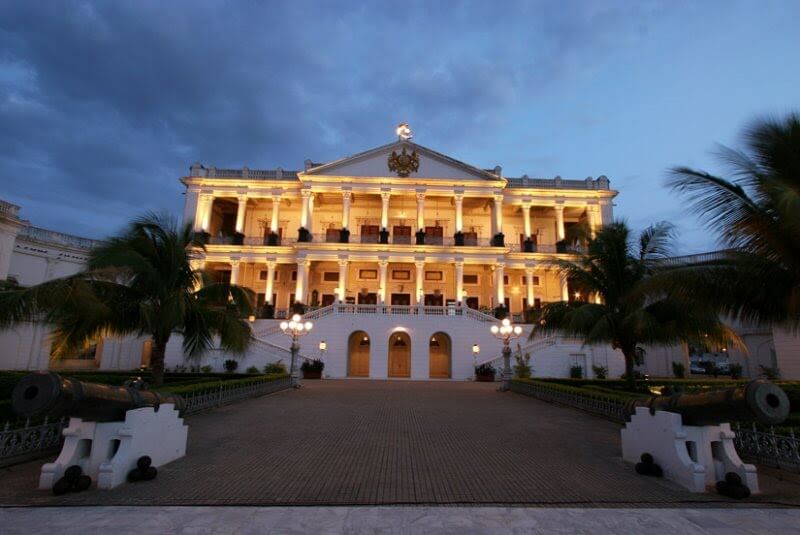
<point>140,283</point>
<point>756,214</point>
<point>611,278</point>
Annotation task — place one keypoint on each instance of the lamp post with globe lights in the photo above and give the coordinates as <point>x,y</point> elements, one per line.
<point>295,328</point>
<point>506,332</point>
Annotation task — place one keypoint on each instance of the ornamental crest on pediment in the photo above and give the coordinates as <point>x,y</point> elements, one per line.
<point>403,164</point>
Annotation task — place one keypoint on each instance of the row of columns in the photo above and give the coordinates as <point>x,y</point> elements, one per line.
<point>303,267</point>
<point>205,203</point>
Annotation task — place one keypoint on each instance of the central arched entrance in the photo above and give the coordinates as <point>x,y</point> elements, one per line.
<point>440,354</point>
<point>399,355</point>
<point>358,354</point>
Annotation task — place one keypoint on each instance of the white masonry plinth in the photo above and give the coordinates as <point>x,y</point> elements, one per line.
<point>695,457</point>
<point>107,451</point>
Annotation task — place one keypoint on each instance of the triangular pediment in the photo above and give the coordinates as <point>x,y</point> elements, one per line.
<point>412,160</point>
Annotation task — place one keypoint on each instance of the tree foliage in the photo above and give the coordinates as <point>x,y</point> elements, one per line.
<point>140,283</point>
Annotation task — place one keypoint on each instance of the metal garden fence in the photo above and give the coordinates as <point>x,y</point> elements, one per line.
<point>33,440</point>
<point>753,445</point>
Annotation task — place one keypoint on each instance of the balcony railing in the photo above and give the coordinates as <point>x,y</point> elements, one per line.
<point>445,241</point>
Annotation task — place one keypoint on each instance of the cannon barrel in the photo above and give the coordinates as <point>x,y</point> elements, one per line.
<point>49,394</point>
<point>758,400</point>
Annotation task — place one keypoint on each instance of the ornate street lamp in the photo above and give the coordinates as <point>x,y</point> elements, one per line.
<point>506,332</point>
<point>476,349</point>
<point>295,328</point>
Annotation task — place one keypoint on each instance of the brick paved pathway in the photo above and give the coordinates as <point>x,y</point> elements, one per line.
<point>381,442</point>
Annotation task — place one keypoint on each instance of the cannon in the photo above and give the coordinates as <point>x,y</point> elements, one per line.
<point>689,437</point>
<point>49,394</point>
<point>758,400</point>
<point>110,427</point>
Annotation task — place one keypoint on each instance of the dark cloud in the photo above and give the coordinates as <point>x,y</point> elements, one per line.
<point>104,105</point>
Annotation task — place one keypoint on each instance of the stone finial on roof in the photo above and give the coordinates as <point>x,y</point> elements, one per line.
<point>308,164</point>
<point>498,170</point>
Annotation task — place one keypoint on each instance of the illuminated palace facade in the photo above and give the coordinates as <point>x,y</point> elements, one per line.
<point>399,253</point>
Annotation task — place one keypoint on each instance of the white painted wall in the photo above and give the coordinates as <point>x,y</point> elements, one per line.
<point>787,352</point>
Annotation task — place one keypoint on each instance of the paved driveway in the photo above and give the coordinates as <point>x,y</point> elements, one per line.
<point>387,442</point>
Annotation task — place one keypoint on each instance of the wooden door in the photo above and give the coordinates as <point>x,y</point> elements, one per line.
<point>472,302</point>
<point>434,300</point>
<point>368,299</point>
<point>332,235</point>
<point>434,235</point>
<point>470,238</point>
<point>358,358</point>
<point>439,354</point>
<point>399,355</point>
<point>369,233</point>
<point>401,234</point>
<point>328,299</point>
<point>401,299</point>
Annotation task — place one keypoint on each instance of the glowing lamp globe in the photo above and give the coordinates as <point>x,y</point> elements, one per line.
<point>284,325</point>
<point>506,322</point>
<point>494,329</point>
<point>308,325</point>
<point>517,330</point>
<point>296,318</point>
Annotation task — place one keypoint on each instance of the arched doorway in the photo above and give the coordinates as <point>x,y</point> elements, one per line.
<point>358,354</point>
<point>440,354</point>
<point>399,355</point>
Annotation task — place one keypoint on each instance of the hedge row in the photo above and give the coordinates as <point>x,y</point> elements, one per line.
<point>9,379</point>
<point>593,393</point>
<point>188,389</point>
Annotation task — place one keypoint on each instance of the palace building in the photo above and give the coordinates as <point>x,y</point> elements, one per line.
<point>397,246</point>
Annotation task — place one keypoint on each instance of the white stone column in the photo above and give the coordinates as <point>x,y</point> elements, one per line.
<point>269,289</point>
<point>383,266</point>
<point>240,213</point>
<point>385,195</point>
<point>276,207</point>
<point>459,281</point>
<point>459,200</point>
<point>205,205</point>
<point>347,196</point>
<point>306,196</point>
<point>529,286</point>
<point>310,226</point>
<point>421,211</point>
<point>526,215</point>
<point>592,216</point>
<point>498,214</point>
<point>564,289</point>
<point>236,266</point>
<point>420,280</point>
<point>302,280</point>
<point>499,272</point>
<point>342,290</point>
<point>560,234</point>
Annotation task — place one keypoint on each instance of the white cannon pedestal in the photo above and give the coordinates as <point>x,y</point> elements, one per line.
<point>695,457</point>
<point>107,451</point>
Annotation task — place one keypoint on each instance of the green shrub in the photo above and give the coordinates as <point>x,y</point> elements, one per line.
<point>206,369</point>
<point>314,365</point>
<point>576,371</point>
<point>485,369</point>
<point>231,365</point>
<point>736,370</point>
<point>275,367</point>
<point>600,372</point>
<point>770,373</point>
<point>252,369</point>
<point>522,368</point>
<point>679,370</point>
